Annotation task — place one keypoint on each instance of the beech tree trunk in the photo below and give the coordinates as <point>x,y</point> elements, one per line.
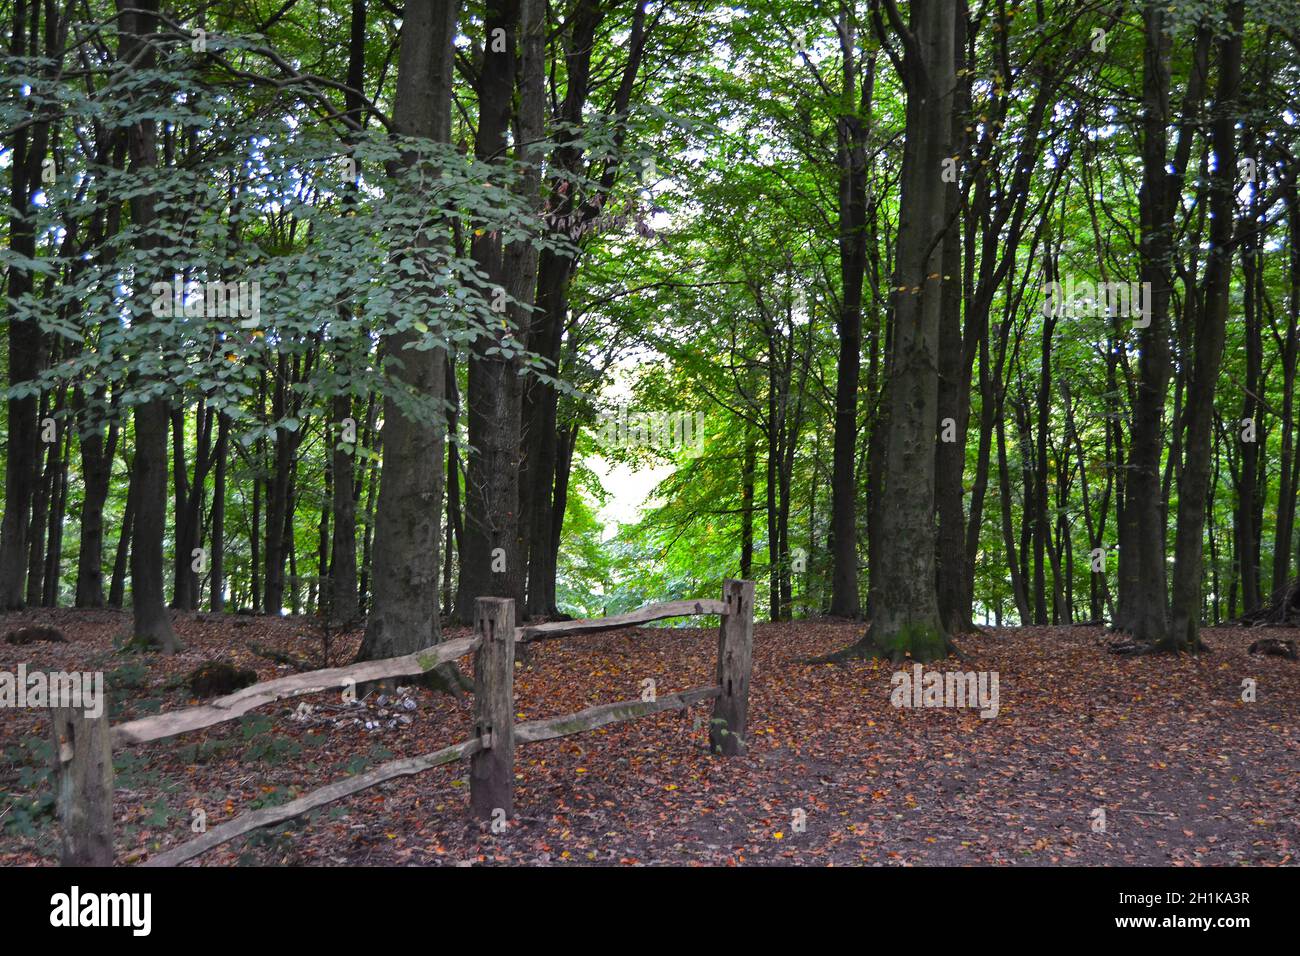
<point>1144,589</point>
<point>25,341</point>
<point>97,453</point>
<point>152,622</point>
<point>491,564</point>
<point>217,578</point>
<point>1208,340</point>
<point>852,129</point>
<point>404,616</point>
<point>906,620</point>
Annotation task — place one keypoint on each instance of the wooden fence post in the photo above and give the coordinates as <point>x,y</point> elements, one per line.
<point>83,764</point>
<point>492,770</point>
<point>735,657</point>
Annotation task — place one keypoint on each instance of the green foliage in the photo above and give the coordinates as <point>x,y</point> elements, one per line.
<point>27,787</point>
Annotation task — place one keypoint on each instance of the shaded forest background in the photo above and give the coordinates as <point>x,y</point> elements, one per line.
<point>466,235</point>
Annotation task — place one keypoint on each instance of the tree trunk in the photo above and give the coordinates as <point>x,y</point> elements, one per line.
<point>852,131</point>
<point>454,528</point>
<point>1193,485</point>
<point>747,505</point>
<point>217,579</point>
<point>149,475</point>
<point>1286,502</point>
<point>906,621</point>
<point>96,469</point>
<point>1142,551</point>
<point>343,602</point>
<point>404,616</point>
<point>490,562</point>
<point>278,489</point>
<point>117,587</point>
<point>26,341</point>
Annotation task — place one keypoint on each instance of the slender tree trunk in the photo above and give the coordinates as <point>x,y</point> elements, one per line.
<point>180,506</point>
<point>343,600</point>
<point>368,481</point>
<point>58,507</point>
<point>1018,590</point>
<point>339,596</point>
<point>97,469</point>
<point>877,450</point>
<point>117,586</point>
<point>1193,485</point>
<point>217,579</point>
<point>1286,502</point>
<point>41,509</point>
<point>490,562</point>
<point>1041,501</point>
<point>1247,502</point>
<point>454,528</point>
<point>26,341</point>
<point>278,489</point>
<point>566,442</point>
<point>852,130</point>
<point>152,622</point>
<point>747,505</point>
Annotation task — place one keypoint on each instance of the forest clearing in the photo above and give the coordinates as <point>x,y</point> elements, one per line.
<point>1189,775</point>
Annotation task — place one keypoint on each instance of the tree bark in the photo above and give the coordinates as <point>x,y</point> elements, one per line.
<point>25,342</point>
<point>906,621</point>
<point>1208,335</point>
<point>491,561</point>
<point>217,579</point>
<point>852,129</point>
<point>152,623</point>
<point>404,616</point>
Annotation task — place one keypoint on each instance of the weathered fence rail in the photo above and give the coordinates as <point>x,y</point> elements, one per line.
<point>83,746</point>
<point>242,701</point>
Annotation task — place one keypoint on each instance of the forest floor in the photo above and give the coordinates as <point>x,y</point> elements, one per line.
<point>1187,773</point>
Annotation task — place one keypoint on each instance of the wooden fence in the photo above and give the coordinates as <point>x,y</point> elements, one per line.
<point>83,746</point>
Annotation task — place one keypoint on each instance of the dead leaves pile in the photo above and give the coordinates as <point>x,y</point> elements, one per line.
<point>1184,771</point>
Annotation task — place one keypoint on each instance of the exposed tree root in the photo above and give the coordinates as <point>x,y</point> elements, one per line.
<point>1275,647</point>
<point>962,623</point>
<point>31,635</point>
<point>281,657</point>
<point>218,678</point>
<point>1129,647</point>
<point>865,648</point>
<point>968,627</point>
<point>1282,611</point>
<point>446,678</point>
